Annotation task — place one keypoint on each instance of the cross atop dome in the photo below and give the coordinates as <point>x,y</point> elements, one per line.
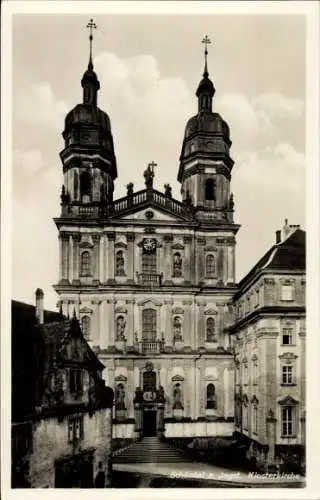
<point>91,26</point>
<point>206,40</point>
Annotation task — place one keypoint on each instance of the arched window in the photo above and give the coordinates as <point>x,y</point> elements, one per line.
<point>211,397</point>
<point>245,415</point>
<point>85,264</point>
<point>255,419</point>
<point>210,189</point>
<point>120,328</point>
<point>85,186</point>
<point>75,185</point>
<point>120,263</point>
<point>177,265</point>
<point>149,325</point>
<point>120,397</point>
<point>85,324</point>
<point>149,263</point>
<point>177,324</point>
<point>210,266</point>
<point>177,397</point>
<point>210,330</point>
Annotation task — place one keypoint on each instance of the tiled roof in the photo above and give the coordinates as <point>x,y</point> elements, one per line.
<point>34,348</point>
<point>288,255</point>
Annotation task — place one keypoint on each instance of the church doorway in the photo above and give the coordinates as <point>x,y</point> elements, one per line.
<point>149,423</point>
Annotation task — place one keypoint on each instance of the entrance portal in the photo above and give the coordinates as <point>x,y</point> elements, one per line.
<point>149,423</point>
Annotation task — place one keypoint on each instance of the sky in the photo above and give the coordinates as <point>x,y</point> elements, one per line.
<point>149,67</point>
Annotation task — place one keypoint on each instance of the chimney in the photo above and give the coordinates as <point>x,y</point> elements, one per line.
<point>278,236</point>
<point>39,306</point>
<point>286,229</point>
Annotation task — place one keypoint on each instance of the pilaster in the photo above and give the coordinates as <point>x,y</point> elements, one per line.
<point>200,259</point>
<point>96,258</point>
<point>167,240</point>
<point>187,259</point>
<point>130,254</point>
<point>76,240</point>
<point>111,238</point>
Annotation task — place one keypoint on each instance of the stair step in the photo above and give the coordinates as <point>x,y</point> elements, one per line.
<point>151,450</point>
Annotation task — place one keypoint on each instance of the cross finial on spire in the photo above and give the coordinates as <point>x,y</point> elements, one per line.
<point>206,40</point>
<point>91,25</point>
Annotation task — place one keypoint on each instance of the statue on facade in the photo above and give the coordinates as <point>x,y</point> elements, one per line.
<point>188,200</point>
<point>177,265</point>
<point>130,189</point>
<point>177,397</point>
<point>120,397</point>
<point>168,191</point>
<point>149,175</point>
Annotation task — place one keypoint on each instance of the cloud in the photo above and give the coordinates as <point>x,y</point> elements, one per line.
<point>148,112</point>
<point>265,118</point>
<point>38,105</point>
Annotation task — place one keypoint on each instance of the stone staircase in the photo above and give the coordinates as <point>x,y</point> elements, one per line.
<point>150,450</point>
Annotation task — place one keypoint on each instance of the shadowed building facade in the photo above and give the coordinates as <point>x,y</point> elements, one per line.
<point>152,278</point>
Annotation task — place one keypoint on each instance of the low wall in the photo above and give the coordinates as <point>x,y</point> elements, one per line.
<point>123,431</point>
<point>198,429</point>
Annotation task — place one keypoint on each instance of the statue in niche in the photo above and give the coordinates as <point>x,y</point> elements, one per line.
<point>121,324</point>
<point>177,398</point>
<point>120,397</point>
<point>177,329</point>
<point>177,265</point>
<point>130,189</point>
<point>168,190</point>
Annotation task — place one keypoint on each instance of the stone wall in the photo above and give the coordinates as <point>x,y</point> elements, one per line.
<point>50,442</point>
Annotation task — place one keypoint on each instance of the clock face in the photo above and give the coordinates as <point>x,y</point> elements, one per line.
<point>149,244</point>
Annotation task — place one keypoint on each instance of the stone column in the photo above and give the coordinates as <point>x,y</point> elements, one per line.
<point>197,403</point>
<point>96,258</point>
<point>187,259</point>
<point>131,390</point>
<point>76,240</point>
<point>202,389</point>
<point>226,392</point>
<point>271,436</point>
<point>200,335</point>
<point>187,323</point>
<point>225,264</point>
<point>230,278</point>
<point>111,325</point>
<point>111,238</point>
<point>60,258</point>
<point>103,340</point>
<point>130,256</point>
<point>130,331</point>
<point>102,258</point>
<point>168,320</point>
<point>64,246</point>
<point>167,259</point>
<point>200,270</point>
<point>108,444</point>
<point>70,261</point>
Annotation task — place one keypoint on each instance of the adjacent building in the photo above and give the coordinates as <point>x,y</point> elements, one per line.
<point>268,337</point>
<point>61,408</point>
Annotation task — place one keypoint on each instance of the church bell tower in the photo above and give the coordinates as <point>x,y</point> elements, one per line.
<point>89,163</point>
<point>205,162</point>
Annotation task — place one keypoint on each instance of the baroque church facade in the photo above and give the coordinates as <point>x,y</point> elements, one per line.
<point>150,277</point>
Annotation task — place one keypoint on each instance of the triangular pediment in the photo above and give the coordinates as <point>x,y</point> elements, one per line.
<point>288,401</point>
<point>150,206</point>
<point>157,215</point>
